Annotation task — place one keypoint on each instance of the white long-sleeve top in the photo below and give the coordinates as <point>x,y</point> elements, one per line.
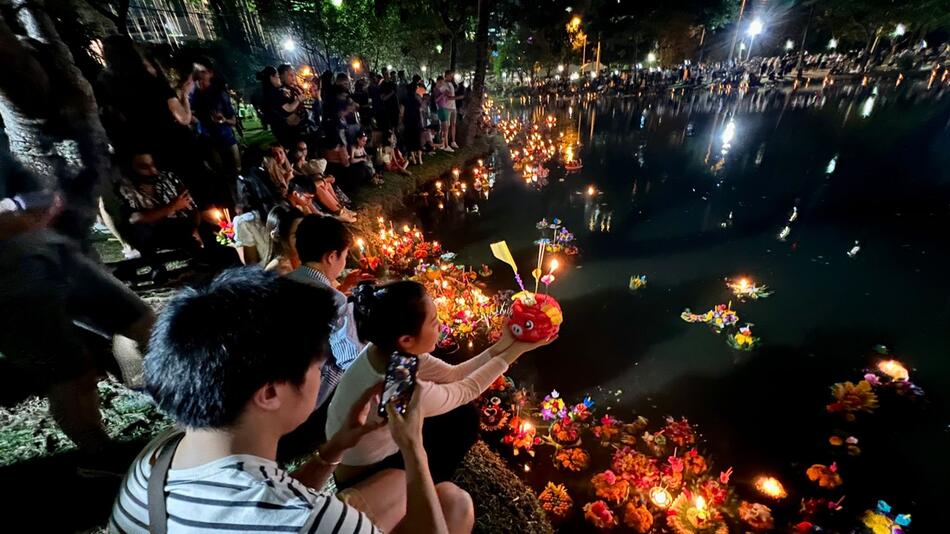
<point>442,387</point>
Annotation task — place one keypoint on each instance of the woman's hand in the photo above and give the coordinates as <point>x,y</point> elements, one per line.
<point>355,427</point>
<point>407,429</point>
<point>354,277</point>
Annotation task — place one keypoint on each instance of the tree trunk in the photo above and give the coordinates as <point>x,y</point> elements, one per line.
<point>453,51</point>
<point>473,110</point>
<point>51,117</point>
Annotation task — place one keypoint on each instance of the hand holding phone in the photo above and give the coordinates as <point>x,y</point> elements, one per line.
<point>399,384</point>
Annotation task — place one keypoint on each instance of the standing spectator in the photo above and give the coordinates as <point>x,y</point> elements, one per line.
<point>140,109</point>
<point>447,109</point>
<point>282,110</point>
<point>413,125</point>
<point>211,105</point>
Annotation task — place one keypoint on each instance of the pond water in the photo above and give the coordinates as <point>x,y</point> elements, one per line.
<point>671,202</point>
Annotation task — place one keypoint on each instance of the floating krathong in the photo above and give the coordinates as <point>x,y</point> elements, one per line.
<point>534,316</point>
<point>743,288</point>
<point>720,317</point>
<point>743,339</point>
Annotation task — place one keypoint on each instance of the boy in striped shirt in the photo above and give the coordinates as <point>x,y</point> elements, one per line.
<point>223,366</point>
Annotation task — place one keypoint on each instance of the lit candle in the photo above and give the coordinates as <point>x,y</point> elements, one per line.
<point>894,369</point>
<point>660,497</point>
<point>361,246</point>
<point>701,507</point>
<point>554,265</point>
<point>771,487</point>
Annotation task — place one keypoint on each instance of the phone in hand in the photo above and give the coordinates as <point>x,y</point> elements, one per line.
<point>400,382</point>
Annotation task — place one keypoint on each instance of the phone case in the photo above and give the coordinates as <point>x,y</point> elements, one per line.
<point>400,382</point>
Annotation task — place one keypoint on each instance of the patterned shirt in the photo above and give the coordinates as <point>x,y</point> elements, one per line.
<point>164,191</point>
<point>345,344</point>
<point>237,493</point>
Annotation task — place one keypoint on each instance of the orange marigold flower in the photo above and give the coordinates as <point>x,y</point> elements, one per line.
<point>555,500</point>
<point>851,398</point>
<point>637,517</point>
<point>826,476</point>
<point>609,486</point>
<point>757,516</point>
<point>574,459</point>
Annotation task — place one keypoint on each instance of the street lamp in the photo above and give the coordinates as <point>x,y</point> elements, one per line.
<point>560,69</point>
<point>289,44</point>
<point>899,30</point>
<point>357,65</point>
<point>336,3</point>
<point>389,67</point>
<point>833,43</point>
<point>789,44</point>
<point>651,57</point>
<point>755,28</point>
<point>423,69</point>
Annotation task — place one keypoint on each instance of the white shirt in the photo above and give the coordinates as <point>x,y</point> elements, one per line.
<point>237,493</point>
<point>443,388</point>
<point>249,231</point>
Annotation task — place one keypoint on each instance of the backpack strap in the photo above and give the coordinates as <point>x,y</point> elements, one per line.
<point>157,514</point>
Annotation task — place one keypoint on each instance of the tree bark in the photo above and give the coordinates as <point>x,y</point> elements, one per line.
<point>51,117</point>
<point>473,109</point>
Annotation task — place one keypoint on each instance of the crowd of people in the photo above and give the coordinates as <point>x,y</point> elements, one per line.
<point>278,359</point>
<point>176,136</point>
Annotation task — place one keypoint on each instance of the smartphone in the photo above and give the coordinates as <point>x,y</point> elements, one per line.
<point>400,382</point>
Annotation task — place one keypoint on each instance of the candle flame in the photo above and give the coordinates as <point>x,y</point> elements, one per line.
<point>771,487</point>
<point>894,369</point>
<point>591,190</point>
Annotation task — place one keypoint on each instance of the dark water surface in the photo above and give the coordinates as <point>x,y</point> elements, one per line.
<point>663,196</point>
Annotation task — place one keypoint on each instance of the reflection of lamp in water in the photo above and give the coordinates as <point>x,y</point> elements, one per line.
<point>867,107</point>
<point>660,497</point>
<point>591,190</point>
<point>729,133</point>
<point>771,487</point>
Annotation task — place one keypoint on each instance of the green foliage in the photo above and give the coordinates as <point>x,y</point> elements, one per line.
<point>28,431</point>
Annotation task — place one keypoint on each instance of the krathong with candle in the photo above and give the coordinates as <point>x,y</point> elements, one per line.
<point>743,288</point>
<point>225,233</point>
<point>533,316</point>
<point>555,237</point>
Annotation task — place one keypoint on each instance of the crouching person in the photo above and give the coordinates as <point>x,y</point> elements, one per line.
<point>222,365</point>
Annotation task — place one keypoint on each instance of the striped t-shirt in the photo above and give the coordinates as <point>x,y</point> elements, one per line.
<point>238,493</point>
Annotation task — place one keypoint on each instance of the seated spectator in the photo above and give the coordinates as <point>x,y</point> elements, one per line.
<point>300,194</point>
<point>401,317</point>
<point>279,169</point>
<point>236,382</point>
<point>281,228</point>
<point>158,213</point>
<point>360,165</point>
<point>338,160</point>
<point>389,157</point>
<point>323,244</point>
<point>255,201</point>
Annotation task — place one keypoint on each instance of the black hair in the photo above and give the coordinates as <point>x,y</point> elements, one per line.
<point>280,222</point>
<point>318,236</point>
<point>302,184</point>
<point>214,347</point>
<point>284,68</point>
<point>265,74</point>
<point>385,313</point>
